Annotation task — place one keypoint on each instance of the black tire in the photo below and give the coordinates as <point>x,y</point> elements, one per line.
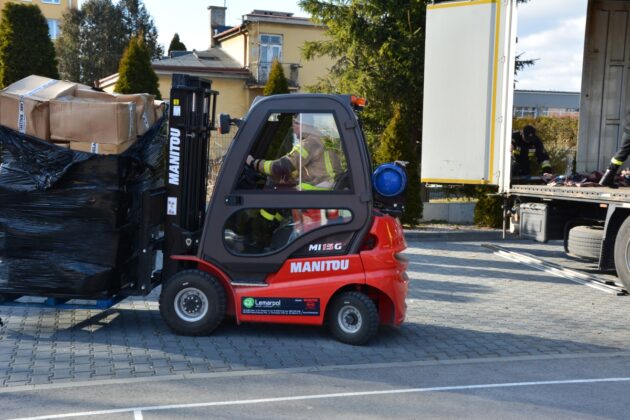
<point>586,241</point>
<point>192,303</point>
<point>622,254</point>
<point>353,318</point>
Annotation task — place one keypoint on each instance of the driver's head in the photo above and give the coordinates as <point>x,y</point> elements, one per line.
<point>529,133</point>
<point>303,123</point>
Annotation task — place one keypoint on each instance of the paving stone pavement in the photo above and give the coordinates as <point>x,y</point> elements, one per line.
<point>464,302</point>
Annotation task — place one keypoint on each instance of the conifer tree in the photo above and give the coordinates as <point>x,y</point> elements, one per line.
<point>135,74</point>
<point>92,41</point>
<point>176,44</point>
<point>395,146</point>
<point>71,60</point>
<point>94,37</point>
<point>277,84</point>
<point>137,20</point>
<point>25,46</point>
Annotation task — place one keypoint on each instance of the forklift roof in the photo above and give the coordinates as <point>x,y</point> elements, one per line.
<point>351,101</point>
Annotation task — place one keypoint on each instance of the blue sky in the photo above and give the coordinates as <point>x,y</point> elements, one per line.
<point>551,31</point>
<point>189,18</point>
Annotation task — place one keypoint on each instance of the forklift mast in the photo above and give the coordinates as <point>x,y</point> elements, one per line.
<point>191,119</point>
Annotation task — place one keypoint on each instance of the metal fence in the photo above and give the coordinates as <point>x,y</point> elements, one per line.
<point>219,145</point>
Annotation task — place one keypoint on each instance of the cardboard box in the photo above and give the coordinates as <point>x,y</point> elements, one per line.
<point>89,93</point>
<point>145,115</point>
<point>64,144</point>
<point>101,148</point>
<point>25,106</point>
<point>92,120</point>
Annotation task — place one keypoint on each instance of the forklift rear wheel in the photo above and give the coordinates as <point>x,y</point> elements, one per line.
<point>192,303</point>
<point>353,318</point>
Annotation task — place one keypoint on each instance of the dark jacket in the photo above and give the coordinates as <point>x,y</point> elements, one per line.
<point>523,151</point>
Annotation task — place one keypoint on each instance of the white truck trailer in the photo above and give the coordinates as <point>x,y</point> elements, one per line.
<point>469,88</point>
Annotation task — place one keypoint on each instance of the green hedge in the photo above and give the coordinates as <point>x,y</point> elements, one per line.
<point>489,209</point>
<point>559,135</point>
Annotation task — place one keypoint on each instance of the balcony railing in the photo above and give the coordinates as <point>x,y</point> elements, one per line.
<point>261,70</point>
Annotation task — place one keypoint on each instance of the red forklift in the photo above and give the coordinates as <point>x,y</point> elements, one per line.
<point>266,249</point>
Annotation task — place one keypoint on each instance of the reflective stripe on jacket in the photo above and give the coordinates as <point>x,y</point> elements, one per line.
<point>319,165</point>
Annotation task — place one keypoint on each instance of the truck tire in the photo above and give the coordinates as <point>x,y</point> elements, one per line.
<point>586,241</point>
<point>622,254</point>
<point>192,303</point>
<point>353,318</point>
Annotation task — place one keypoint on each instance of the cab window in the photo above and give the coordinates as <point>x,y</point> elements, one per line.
<point>261,231</point>
<point>297,152</point>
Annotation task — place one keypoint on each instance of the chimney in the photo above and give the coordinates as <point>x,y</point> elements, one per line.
<point>217,22</point>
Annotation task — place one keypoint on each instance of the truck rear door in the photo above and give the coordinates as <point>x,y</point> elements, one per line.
<point>605,93</point>
<point>468,89</point>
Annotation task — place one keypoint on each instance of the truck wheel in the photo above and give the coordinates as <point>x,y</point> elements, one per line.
<point>192,303</point>
<point>353,318</point>
<point>586,241</point>
<point>622,254</point>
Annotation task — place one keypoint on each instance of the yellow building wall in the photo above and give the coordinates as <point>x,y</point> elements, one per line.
<point>293,38</point>
<point>233,96</point>
<point>165,85</point>
<point>50,11</point>
<point>108,88</point>
<point>235,47</point>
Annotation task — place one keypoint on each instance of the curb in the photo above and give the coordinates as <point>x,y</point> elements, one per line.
<point>454,236</point>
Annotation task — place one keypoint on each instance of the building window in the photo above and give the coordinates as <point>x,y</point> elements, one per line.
<point>270,49</point>
<point>524,112</point>
<point>51,1</point>
<point>53,28</point>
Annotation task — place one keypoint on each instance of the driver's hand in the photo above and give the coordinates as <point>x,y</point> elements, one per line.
<point>249,160</point>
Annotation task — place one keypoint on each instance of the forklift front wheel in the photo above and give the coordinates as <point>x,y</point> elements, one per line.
<point>353,318</point>
<point>192,303</point>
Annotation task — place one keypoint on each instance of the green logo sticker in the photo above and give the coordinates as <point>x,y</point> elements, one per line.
<point>248,303</point>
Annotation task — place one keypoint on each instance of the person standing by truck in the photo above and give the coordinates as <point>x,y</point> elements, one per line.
<point>608,180</point>
<point>525,146</point>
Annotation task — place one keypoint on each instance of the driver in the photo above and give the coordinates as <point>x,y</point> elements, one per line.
<point>309,165</point>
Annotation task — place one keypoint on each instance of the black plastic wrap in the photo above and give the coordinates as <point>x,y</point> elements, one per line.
<point>69,220</point>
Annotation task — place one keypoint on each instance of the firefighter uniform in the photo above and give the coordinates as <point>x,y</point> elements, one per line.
<point>525,147</point>
<point>319,163</point>
<point>620,157</point>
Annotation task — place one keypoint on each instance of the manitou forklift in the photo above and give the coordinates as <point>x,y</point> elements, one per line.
<point>270,249</point>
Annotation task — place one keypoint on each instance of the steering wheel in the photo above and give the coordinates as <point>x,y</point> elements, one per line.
<point>250,179</point>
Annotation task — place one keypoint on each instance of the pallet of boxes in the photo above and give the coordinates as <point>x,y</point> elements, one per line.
<point>74,165</point>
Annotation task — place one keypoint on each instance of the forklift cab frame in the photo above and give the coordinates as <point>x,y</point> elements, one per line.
<point>229,198</point>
